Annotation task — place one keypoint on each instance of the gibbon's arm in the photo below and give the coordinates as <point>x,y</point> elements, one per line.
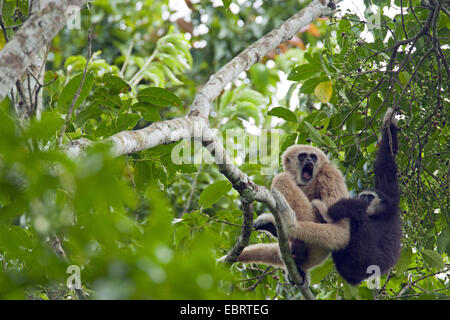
<point>385,167</point>
<point>331,236</point>
<point>294,196</point>
<point>321,209</point>
<point>265,222</point>
<point>348,208</point>
<point>331,185</point>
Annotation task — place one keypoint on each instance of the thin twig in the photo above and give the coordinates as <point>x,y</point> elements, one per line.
<point>247,226</point>
<point>399,294</point>
<point>127,58</point>
<point>77,94</point>
<point>191,194</point>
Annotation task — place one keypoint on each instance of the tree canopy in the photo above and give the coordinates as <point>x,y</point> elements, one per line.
<point>151,223</point>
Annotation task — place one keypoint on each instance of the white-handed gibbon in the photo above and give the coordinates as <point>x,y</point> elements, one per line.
<point>308,175</point>
<point>374,215</point>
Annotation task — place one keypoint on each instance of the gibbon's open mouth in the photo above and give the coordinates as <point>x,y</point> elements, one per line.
<point>307,171</point>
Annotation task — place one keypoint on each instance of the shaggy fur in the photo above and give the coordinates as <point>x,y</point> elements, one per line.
<point>375,227</point>
<point>327,184</point>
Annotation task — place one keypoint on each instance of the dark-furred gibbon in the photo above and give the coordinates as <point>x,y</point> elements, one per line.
<point>375,226</point>
<point>308,175</point>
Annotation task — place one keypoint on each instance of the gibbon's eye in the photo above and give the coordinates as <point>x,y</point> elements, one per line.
<point>367,196</point>
<point>313,157</point>
<point>302,156</point>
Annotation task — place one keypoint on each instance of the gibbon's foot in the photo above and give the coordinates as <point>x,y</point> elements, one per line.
<point>299,252</point>
<point>266,222</point>
<point>304,275</point>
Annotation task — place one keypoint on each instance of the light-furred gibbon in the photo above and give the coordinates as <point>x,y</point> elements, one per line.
<point>308,175</point>
<point>375,226</point>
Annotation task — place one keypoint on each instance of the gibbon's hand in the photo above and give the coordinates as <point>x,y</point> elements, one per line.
<point>305,276</point>
<point>287,215</point>
<point>321,208</point>
<point>265,222</point>
<point>389,118</point>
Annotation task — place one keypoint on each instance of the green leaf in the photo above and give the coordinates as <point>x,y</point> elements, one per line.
<point>259,74</point>
<point>247,110</point>
<point>288,141</point>
<point>404,77</point>
<point>213,192</point>
<point>323,91</point>
<point>304,72</point>
<point>104,98</point>
<point>283,113</point>
<point>320,272</point>
<point>114,84</point>
<point>315,135</point>
<point>76,63</point>
<point>404,260</point>
<point>55,80</point>
<point>126,121</point>
<point>226,3</point>
<point>350,292</point>
<point>90,112</point>
<point>309,85</point>
<point>330,143</point>
<point>46,128</point>
<point>71,88</point>
<point>159,97</point>
<point>443,241</point>
<point>314,60</point>
<point>147,111</point>
<point>433,258</point>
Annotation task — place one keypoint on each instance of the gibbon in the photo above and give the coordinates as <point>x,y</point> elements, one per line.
<point>375,226</point>
<point>308,175</point>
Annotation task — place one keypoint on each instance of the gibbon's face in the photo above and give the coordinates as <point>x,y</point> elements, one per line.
<point>307,162</point>
<point>303,163</point>
<point>373,200</point>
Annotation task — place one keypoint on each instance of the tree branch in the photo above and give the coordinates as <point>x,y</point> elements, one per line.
<point>217,82</point>
<point>35,34</point>
<point>247,226</point>
<point>196,126</point>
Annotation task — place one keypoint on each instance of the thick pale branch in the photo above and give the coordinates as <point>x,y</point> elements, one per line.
<point>165,132</point>
<point>35,34</point>
<point>256,51</point>
<point>240,180</point>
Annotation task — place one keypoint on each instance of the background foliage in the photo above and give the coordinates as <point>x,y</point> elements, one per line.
<point>142,226</point>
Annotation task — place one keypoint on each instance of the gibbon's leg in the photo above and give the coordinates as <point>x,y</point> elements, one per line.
<point>294,196</point>
<point>316,256</point>
<point>265,222</point>
<point>265,253</point>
